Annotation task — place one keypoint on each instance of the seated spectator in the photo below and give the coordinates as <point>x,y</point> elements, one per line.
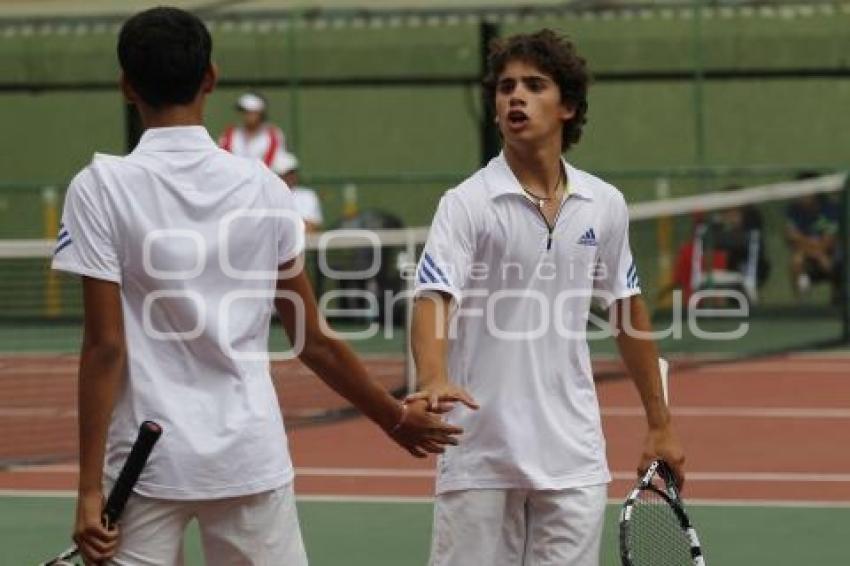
<point>692,264</point>
<point>306,200</point>
<point>812,226</point>
<point>725,251</point>
<point>739,234</point>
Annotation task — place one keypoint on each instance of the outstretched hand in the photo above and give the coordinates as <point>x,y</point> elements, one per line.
<point>422,432</point>
<point>442,397</point>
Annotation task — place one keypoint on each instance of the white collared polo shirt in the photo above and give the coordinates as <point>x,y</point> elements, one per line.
<point>518,333</point>
<point>194,236</point>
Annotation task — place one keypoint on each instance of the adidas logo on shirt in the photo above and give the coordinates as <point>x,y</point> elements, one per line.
<point>588,238</point>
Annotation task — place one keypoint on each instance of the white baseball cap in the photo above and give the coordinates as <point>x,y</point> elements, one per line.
<point>250,102</point>
<point>284,162</point>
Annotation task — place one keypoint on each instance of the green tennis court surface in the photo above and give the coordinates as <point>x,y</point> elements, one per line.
<point>397,534</point>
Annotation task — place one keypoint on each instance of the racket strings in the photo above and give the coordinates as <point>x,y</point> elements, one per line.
<point>656,537</point>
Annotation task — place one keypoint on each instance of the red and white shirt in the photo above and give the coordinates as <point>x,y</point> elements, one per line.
<point>264,144</point>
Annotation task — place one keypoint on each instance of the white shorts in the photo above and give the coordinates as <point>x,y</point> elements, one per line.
<point>519,527</point>
<point>256,530</point>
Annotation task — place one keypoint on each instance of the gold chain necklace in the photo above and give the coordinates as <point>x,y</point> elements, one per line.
<point>541,201</point>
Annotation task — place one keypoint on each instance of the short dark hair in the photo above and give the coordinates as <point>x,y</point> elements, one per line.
<point>554,55</point>
<point>164,53</point>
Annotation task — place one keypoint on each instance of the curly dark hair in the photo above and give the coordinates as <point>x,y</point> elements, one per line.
<point>554,55</point>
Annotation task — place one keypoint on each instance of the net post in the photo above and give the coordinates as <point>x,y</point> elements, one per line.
<point>50,215</point>
<point>409,366</point>
<point>664,241</point>
<point>844,231</point>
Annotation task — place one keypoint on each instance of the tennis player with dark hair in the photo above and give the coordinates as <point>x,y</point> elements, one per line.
<point>184,250</point>
<point>515,255</point>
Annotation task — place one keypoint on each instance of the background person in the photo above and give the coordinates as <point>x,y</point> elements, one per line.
<point>255,136</point>
<point>811,231</point>
<point>307,200</point>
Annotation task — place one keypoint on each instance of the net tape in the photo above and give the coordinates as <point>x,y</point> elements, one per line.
<point>718,200</point>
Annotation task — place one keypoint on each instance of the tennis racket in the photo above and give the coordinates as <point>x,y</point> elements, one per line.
<point>149,433</point>
<point>654,528</point>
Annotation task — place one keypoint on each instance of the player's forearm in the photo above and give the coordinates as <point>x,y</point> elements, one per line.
<point>337,365</point>
<point>640,357</point>
<point>429,342</point>
<point>100,378</point>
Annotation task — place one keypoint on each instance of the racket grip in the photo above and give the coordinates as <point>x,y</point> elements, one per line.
<point>666,473</point>
<point>149,433</point>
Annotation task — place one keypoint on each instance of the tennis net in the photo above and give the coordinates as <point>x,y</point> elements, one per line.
<point>715,269</point>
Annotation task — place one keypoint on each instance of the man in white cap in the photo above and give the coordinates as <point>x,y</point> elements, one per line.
<point>307,202</point>
<point>255,137</point>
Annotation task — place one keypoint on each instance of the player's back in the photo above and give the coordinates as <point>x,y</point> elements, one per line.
<point>194,236</point>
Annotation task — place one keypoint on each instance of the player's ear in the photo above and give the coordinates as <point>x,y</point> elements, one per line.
<point>210,79</point>
<point>567,110</point>
<point>127,89</point>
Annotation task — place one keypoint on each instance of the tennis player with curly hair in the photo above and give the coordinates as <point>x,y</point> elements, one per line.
<point>515,256</point>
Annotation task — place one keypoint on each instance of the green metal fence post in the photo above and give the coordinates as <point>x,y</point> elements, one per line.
<point>490,141</point>
<point>845,257</point>
<point>698,90</point>
<point>293,138</point>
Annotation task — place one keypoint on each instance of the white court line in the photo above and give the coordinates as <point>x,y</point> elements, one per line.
<point>607,411</point>
<point>789,477</point>
<point>38,494</point>
<point>743,412</point>
<point>365,472</point>
<point>788,503</point>
<point>36,412</point>
<point>30,370</point>
<point>68,364</point>
<point>781,368</point>
<point>330,498</point>
<point>793,477</point>
<point>327,472</point>
<point>692,476</point>
<point>324,472</point>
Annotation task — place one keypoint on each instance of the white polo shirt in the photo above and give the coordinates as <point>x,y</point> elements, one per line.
<point>518,340</point>
<point>193,235</point>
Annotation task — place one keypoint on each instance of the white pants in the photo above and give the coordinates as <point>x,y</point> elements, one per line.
<point>519,527</point>
<point>254,530</point>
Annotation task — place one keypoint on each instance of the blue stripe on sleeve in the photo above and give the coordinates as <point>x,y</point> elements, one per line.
<point>433,265</point>
<point>426,273</point>
<point>62,246</point>
<point>632,276</point>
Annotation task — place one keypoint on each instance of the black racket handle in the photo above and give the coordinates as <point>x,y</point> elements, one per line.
<point>149,433</point>
<point>666,473</point>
